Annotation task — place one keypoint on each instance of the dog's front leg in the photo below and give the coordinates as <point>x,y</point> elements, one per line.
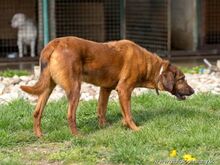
<point>24,49</point>
<point>33,48</point>
<point>20,47</point>
<point>102,105</point>
<point>124,93</point>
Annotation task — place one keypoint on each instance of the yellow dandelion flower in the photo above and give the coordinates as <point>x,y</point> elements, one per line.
<point>173,153</point>
<point>189,158</point>
<point>193,159</point>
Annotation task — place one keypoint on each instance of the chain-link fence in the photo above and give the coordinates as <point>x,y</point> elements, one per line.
<point>154,24</point>
<point>147,23</point>
<point>97,20</point>
<point>212,21</point>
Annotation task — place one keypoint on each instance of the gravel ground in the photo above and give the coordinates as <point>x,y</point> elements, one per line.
<point>9,87</point>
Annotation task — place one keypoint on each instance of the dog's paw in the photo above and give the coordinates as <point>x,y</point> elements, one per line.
<point>38,134</point>
<point>124,123</point>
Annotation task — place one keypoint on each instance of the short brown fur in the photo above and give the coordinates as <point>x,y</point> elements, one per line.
<point>120,65</point>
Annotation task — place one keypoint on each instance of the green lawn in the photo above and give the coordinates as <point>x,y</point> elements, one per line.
<point>190,127</point>
<point>13,72</point>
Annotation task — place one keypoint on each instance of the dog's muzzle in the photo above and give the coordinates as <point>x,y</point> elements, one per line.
<point>181,96</point>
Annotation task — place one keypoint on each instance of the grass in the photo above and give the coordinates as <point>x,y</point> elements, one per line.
<point>190,127</point>
<point>11,73</point>
<point>193,70</point>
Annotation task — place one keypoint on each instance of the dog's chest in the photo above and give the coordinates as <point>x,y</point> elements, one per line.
<point>102,66</point>
<point>27,34</point>
<point>105,76</point>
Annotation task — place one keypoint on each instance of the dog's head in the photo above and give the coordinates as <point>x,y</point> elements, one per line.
<point>18,20</point>
<point>173,80</point>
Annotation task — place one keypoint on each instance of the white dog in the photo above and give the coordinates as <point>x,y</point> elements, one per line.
<point>27,33</point>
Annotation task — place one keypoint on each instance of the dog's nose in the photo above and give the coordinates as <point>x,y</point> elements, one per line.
<point>191,91</point>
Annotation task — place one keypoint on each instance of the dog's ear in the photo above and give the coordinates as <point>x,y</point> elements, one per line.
<point>167,79</point>
<point>166,64</point>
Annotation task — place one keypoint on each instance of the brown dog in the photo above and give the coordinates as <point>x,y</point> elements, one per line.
<point>120,65</point>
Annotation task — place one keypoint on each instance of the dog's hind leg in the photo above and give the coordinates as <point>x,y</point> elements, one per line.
<point>102,105</point>
<point>73,98</point>
<point>71,85</point>
<point>66,71</point>
<point>42,100</point>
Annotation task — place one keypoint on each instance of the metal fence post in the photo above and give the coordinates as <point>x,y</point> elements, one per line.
<point>45,21</point>
<point>169,29</point>
<point>122,19</point>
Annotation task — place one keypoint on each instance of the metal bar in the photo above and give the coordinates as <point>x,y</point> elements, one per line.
<point>45,21</point>
<point>196,25</point>
<point>169,28</point>
<point>52,18</point>
<point>40,37</point>
<point>122,19</point>
<point>203,24</point>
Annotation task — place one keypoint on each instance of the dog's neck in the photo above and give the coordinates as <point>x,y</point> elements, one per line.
<point>163,67</point>
<point>161,70</point>
<point>158,78</point>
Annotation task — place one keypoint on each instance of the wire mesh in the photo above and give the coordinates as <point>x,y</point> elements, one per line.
<point>147,23</point>
<point>212,23</point>
<point>9,35</point>
<point>97,20</point>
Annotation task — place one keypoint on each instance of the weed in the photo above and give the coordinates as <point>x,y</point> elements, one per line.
<point>190,126</point>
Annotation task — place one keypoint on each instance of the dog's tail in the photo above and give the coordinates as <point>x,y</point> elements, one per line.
<point>45,77</point>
